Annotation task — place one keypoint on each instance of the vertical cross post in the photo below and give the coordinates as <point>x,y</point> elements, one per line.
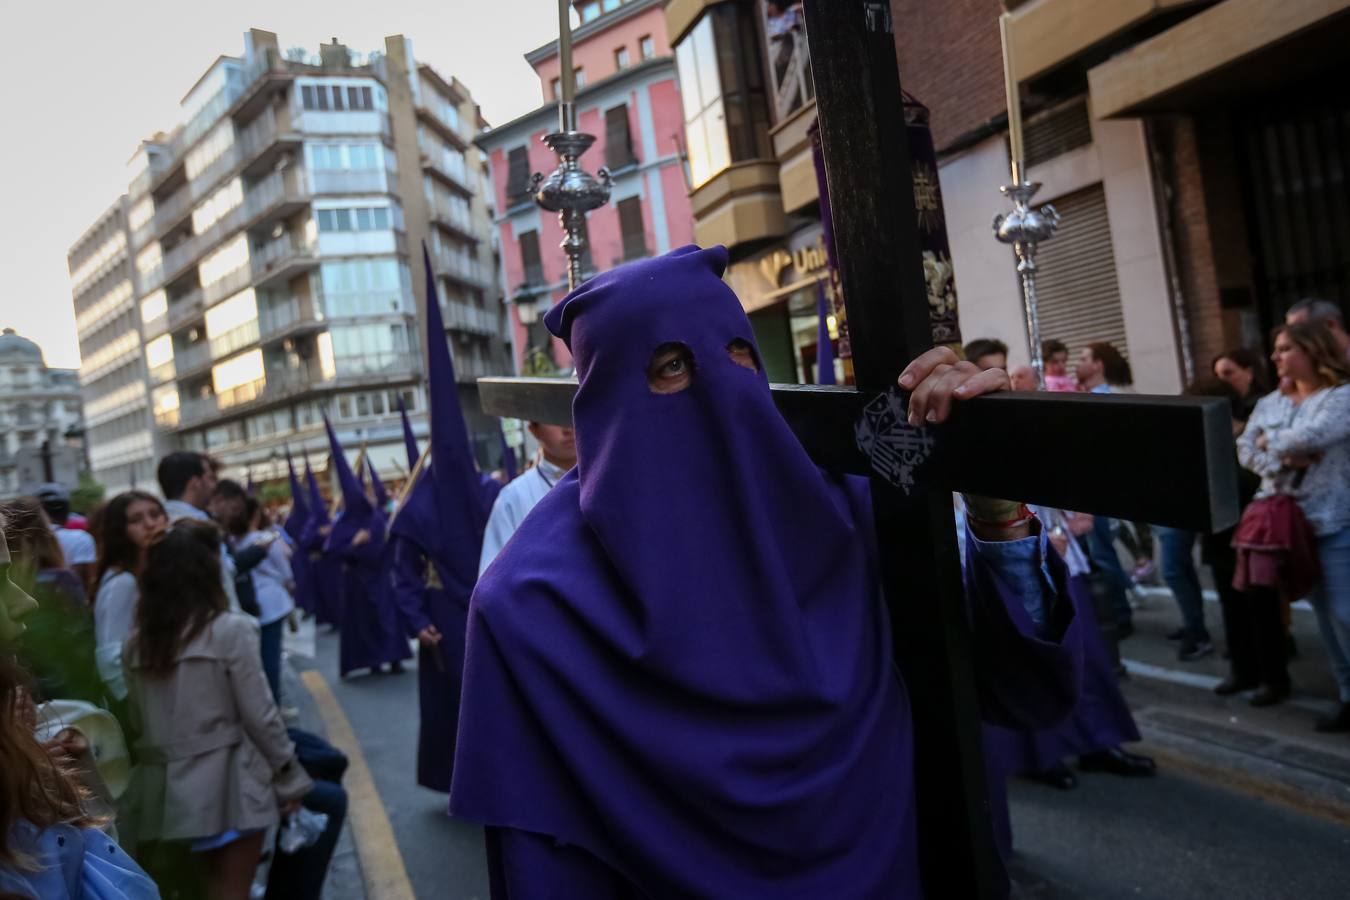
<point>867,165</point>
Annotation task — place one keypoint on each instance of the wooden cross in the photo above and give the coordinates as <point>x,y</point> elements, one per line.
<point>1163,460</point>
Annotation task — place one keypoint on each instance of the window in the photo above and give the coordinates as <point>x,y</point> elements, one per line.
<point>530,258</point>
<point>337,97</point>
<point>580,75</point>
<point>621,58</point>
<point>555,88</point>
<point>518,175</point>
<point>321,94</point>
<point>618,139</point>
<point>361,218</point>
<point>590,11</point>
<point>307,96</point>
<point>630,225</point>
<point>646,47</point>
<point>726,109</point>
<point>611,5</point>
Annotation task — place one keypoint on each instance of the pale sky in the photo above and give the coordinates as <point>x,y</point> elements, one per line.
<point>88,80</point>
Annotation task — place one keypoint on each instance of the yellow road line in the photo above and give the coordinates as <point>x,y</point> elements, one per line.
<point>382,866</point>
<point>1327,809</point>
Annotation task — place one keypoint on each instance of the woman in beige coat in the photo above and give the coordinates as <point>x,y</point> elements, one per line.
<point>216,767</point>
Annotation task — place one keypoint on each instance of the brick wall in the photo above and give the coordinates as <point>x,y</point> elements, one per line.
<point>1192,236</point>
<point>951,59</point>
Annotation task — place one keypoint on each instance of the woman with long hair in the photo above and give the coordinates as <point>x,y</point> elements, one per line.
<point>58,647</point>
<point>1245,370</point>
<point>48,845</point>
<point>216,765</point>
<point>1298,441</point>
<point>130,521</point>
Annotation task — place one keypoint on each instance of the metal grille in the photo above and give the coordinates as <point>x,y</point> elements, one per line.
<point>1058,131</point>
<point>1077,287</point>
<point>1297,161</point>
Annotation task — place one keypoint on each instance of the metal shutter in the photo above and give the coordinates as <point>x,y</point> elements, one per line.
<point>1076,284</point>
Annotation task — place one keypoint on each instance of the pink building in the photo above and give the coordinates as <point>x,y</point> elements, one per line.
<point>628,97</point>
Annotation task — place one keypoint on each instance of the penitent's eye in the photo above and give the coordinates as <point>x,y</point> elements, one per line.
<point>671,368</point>
<point>742,354</point>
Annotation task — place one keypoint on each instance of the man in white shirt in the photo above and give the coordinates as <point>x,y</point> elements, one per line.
<point>557,454</point>
<point>76,546</point>
<point>187,480</point>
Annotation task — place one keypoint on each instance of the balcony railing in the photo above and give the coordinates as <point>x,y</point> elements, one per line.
<point>171,211</point>
<point>474,319</point>
<point>462,268</point>
<point>163,372</point>
<point>277,188</point>
<point>274,319</point>
<point>193,356</point>
<point>460,180</point>
<point>185,309</point>
<point>198,409</point>
<point>279,253</point>
<point>183,254</point>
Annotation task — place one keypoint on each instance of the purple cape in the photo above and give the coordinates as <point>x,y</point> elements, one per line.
<point>681,663</point>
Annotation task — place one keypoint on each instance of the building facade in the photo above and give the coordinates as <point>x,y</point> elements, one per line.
<point>275,265</point>
<point>1196,151</point>
<point>628,97</point>
<point>41,427</point>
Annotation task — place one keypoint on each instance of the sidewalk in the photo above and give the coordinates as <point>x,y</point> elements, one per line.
<point>1272,752</point>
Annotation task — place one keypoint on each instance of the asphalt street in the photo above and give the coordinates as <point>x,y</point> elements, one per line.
<point>1173,837</point>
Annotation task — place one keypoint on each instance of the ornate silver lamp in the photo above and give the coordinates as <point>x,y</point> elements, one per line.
<point>1025,228</point>
<point>569,190</point>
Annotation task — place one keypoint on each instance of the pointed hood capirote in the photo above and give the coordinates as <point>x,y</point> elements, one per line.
<point>356,508</point>
<point>299,514</point>
<point>409,439</point>
<point>445,509</point>
<point>377,488</point>
<point>683,643</point>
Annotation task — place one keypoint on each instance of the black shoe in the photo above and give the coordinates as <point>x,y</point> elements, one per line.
<point>1268,696</point>
<point>1117,762</point>
<point>396,668</point>
<point>1336,720</point>
<point>1060,776</point>
<point>1233,686</point>
<point>1193,650</point>
<point>1290,646</point>
<point>1124,631</point>
<point>1178,635</point>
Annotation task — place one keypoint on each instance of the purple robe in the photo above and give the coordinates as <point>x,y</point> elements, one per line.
<point>372,634</point>
<point>1100,720</point>
<point>678,679</point>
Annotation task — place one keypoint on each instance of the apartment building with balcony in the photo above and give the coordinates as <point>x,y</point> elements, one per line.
<point>274,237</point>
<point>627,96</point>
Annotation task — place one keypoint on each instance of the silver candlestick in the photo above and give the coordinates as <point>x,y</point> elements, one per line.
<point>1024,228</point>
<point>570,190</point>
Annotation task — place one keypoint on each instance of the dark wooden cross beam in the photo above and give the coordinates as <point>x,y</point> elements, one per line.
<point>1164,460</point>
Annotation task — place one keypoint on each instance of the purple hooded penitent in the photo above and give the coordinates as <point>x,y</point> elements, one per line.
<point>409,439</point>
<point>437,534</point>
<point>679,670</point>
<point>370,632</point>
<point>508,457</point>
<point>295,528</point>
<point>325,572</point>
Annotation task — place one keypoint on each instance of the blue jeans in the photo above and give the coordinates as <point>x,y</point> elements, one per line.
<point>271,656</point>
<point>300,875</point>
<point>1102,549</point>
<point>1178,570</point>
<point>1331,601</point>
